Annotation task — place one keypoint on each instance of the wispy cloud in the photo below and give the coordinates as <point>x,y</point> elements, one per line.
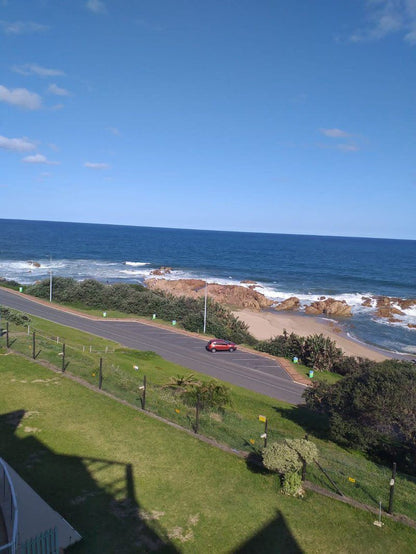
<point>21,27</point>
<point>96,6</point>
<point>21,98</point>
<point>38,159</point>
<point>96,165</point>
<point>385,17</point>
<point>350,145</point>
<point>54,89</point>
<point>334,133</point>
<point>17,144</point>
<point>35,69</point>
<point>114,131</point>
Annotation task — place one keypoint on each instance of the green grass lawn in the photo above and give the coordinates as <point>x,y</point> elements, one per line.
<point>325,376</point>
<point>131,484</point>
<point>238,426</point>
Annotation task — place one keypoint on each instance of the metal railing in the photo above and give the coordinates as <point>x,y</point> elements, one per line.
<point>8,507</point>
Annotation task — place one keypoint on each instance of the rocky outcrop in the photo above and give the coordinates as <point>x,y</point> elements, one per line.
<point>329,306</point>
<point>388,308</point>
<point>290,304</point>
<point>366,301</point>
<point>235,296</point>
<point>161,271</point>
<point>33,264</point>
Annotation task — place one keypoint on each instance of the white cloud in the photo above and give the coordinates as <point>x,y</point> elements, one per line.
<point>54,89</point>
<point>17,144</point>
<point>38,159</point>
<point>334,133</point>
<point>96,6</point>
<point>20,97</point>
<point>95,165</point>
<point>114,131</point>
<point>348,147</point>
<point>35,69</point>
<point>57,107</point>
<point>21,27</point>
<point>386,17</point>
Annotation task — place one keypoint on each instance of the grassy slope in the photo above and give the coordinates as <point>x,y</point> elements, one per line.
<point>207,498</point>
<point>240,425</point>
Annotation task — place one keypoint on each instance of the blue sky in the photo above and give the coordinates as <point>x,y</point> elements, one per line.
<point>271,116</point>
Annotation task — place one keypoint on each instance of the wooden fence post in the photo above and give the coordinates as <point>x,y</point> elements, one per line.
<point>197,409</point>
<point>392,483</point>
<point>34,345</point>
<point>100,375</point>
<point>7,334</point>
<point>63,357</point>
<point>144,392</point>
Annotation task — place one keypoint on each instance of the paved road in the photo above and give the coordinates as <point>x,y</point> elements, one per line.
<point>252,371</point>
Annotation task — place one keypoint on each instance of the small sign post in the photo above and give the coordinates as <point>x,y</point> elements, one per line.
<point>264,435</point>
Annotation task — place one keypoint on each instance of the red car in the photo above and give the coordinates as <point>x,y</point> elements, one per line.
<point>220,344</point>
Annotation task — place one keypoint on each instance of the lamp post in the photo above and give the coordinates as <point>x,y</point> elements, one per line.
<point>205,307</point>
<point>50,280</point>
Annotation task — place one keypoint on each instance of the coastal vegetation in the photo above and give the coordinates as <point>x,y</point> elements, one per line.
<point>372,409</point>
<point>138,300</point>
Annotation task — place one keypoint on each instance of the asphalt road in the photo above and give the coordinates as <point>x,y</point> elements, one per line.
<point>245,369</point>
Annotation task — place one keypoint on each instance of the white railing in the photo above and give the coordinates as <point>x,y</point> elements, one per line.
<point>8,507</point>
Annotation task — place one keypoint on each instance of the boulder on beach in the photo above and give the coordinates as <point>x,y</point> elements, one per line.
<point>290,304</point>
<point>235,296</point>
<point>330,306</point>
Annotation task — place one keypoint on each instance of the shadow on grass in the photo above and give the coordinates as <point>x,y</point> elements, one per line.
<point>274,538</point>
<point>311,422</point>
<point>254,462</point>
<point>105,511</point>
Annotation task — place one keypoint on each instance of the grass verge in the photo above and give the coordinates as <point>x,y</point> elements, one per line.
<point>131,484</point>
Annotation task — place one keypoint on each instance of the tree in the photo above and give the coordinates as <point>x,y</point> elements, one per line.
<point>373,410</point>
<point>321,353</point>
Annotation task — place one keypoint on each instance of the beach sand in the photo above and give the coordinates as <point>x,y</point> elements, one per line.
<point>265,325</point>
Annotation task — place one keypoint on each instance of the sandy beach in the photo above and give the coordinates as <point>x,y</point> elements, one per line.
<point>264,325</point>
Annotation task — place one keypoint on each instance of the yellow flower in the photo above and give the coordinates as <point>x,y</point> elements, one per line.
<point>252,441</point>
<point>177,411</point>
<point>93,374</point>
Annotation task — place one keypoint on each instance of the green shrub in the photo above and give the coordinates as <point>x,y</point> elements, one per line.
<point>18,318</point>
<point>292,484</point>
<point>211,395</point>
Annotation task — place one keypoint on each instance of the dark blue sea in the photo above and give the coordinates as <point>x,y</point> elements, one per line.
<point>283,265</point>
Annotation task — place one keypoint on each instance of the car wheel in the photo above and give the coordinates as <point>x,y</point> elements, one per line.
<point>213,349</point>
<point>231,349</point>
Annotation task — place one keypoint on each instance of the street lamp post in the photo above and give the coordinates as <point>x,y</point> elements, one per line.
<point>50,280</point>
<point>205,307</point>
<point>50,285</point>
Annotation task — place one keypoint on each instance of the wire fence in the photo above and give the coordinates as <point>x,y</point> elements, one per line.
<point>114,371</point>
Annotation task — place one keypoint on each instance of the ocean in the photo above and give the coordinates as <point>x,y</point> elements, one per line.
<point>283,265</point>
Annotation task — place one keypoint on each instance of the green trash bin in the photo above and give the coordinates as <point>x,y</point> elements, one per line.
<point>310,373</point>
